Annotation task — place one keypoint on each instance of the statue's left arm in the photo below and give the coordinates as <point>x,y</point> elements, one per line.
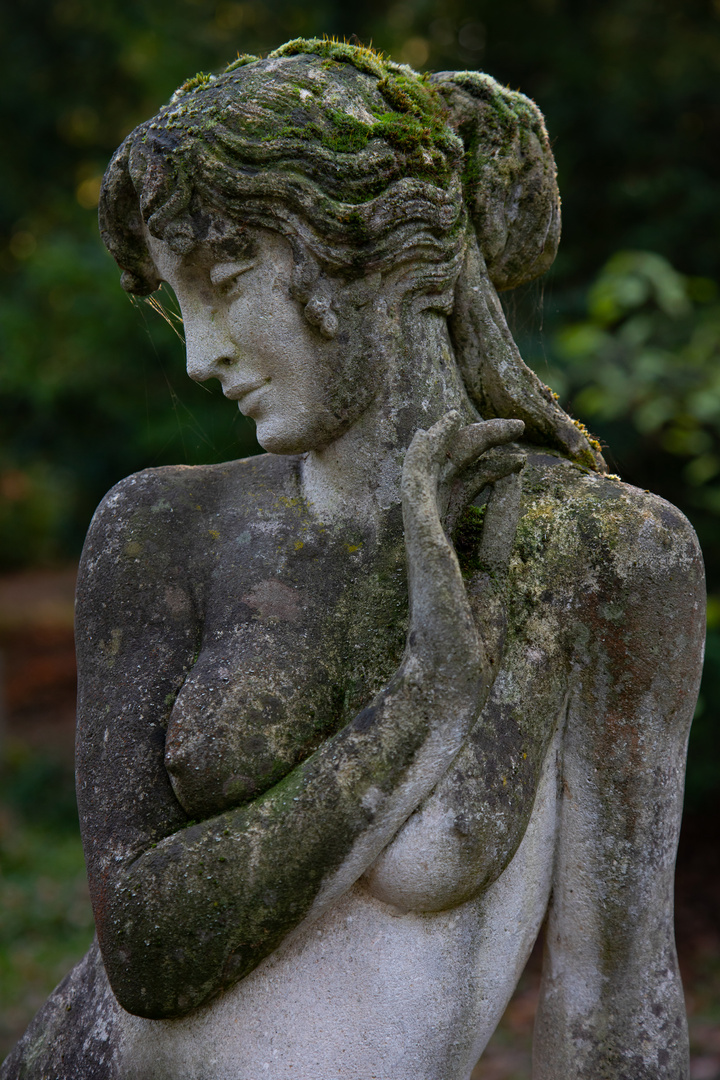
<point>611,1000</point>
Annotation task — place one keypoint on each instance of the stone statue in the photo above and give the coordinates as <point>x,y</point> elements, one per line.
<point>358,715</point>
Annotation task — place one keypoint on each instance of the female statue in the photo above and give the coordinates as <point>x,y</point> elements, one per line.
<point>357,715</point>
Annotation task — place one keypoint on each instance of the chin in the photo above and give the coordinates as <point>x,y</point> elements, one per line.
<point>284,441</point>
<point>296,439</point>
<point>277,444</point>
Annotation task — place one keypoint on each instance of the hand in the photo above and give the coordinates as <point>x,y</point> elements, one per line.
<point>478,457</point>
<point>444,470</point>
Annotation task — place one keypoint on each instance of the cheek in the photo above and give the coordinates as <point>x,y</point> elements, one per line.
<point>261,321</point>
<point>245,323</point>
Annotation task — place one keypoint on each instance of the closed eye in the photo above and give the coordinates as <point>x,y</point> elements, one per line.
<point>223,276</point>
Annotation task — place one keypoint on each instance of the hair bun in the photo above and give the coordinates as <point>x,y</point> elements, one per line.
<point>509,175</point>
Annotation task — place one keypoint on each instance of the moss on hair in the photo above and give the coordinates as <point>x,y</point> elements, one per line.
<point>240,61</point>
<point>415,124</point>
<point>362,57</point>
<point>201,79</point>
<point>365,166</point>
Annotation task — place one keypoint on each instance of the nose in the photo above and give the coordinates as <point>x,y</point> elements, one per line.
<point>208,346</point>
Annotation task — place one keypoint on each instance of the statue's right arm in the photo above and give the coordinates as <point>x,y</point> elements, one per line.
<point>611,1000</point>
<point>183,909</point>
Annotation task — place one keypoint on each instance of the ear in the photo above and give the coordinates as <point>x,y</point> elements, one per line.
<point>318,310</point>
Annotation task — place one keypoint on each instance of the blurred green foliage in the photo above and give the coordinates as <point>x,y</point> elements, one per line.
<point>642,369</point>
<point>46,919</point>
<point>92,388</point>
<point>90,391</point>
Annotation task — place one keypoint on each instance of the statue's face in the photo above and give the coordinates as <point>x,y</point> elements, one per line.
<point>243,327</point>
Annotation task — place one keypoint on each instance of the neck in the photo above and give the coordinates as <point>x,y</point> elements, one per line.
<point>356,478</point>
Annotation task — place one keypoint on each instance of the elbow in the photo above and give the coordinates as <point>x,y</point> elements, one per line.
<point>161,958</point>
<point>146,987</point>
<point>165,980</point>
<point>157,977</point>
<point>165,950</point>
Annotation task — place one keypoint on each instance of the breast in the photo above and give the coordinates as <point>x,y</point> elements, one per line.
<point>220,748</point>
<point>254,704</point>
<point>285,661</point>
<point>331,999</point>
<point>466,834</point>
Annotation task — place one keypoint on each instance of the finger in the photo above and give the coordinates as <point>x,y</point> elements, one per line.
<point>495,464</point>
<point>500,525</point>
<point>430,448</point>
<point>475,439</point>
<point>443,435</point>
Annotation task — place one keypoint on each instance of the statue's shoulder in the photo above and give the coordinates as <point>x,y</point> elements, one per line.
<point>602,532</point>
<point>171,496</point>
<point>167,519</point>
<point>617,575</point>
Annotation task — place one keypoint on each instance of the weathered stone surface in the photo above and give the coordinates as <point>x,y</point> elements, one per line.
<point>357,715</point>
<point>75,1034</point>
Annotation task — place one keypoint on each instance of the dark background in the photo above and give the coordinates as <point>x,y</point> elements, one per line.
<point>93,389</point>
<point>626,327</point>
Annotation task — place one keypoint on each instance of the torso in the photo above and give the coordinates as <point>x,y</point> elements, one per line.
<point>406,976</point>
<point>296,628</point>
<point>300,628</point>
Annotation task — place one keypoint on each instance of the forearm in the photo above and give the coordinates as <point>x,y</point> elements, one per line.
<point>611,1002</point>
<point>203,907</point>
<point>608,1024</point>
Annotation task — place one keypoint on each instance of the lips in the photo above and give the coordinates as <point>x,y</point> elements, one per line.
<point>237,393</point>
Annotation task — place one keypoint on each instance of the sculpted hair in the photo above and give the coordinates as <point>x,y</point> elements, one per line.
<point>445,182</point>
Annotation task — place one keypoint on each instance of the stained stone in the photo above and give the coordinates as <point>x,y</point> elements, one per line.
<point>356,716</point>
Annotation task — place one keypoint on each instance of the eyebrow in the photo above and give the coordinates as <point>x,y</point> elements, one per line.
<point>224,271</point>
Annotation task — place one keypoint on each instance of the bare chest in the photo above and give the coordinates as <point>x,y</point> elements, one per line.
<point>299,631</point>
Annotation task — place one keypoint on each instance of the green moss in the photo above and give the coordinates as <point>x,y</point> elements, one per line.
<point>346,135</point>
<point>414,125</point>
<point>352,135</point>
<point>240,61</point>
<point>473,162</point>
<point>466,538</point>
<point>402,93</point>
<point>202,78</point>
<point>504,122</point>
<point>362,57</point>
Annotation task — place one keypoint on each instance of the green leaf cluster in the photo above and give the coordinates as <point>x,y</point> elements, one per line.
<point>648,354</point>
<point>642,368</point>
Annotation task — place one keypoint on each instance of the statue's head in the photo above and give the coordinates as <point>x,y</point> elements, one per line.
<point>371,171</point>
